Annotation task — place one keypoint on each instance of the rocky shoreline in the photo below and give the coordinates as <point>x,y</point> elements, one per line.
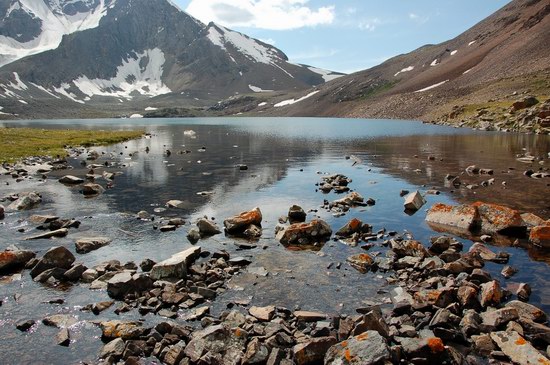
<point>443,307</point>
<point>525,115</point>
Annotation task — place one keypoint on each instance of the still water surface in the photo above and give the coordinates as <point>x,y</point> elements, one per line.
<point>285,159</point>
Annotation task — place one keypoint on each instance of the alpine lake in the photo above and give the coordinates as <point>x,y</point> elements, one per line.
<point>220,167</point>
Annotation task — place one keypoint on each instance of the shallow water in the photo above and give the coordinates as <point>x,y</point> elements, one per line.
<point>285,159</point>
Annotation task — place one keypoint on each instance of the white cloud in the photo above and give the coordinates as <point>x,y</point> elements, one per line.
<point>369,24</point>
<point>418,18</point>
<point>263,14</point>
<point>313,54</point>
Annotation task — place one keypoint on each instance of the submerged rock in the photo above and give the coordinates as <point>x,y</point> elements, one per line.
<point>62,232</point>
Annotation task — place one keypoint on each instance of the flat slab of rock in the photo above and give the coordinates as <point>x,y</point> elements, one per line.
<point>307,316</point>
<point>85,245</point>
<point>461,216</point>
<point>120,329</point>
<point>497,218</point>
<point>262,313</point>
<point>57,233</point>
<point>42,219</point>
<point>71,180</point>
<point>414,201</point>
<point>518,349</point>
<point>176,266</point>
<point>528,311</point>
<point>368,348</point>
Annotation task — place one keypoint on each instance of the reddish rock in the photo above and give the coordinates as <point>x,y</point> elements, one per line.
<point>353,226</point>
<point>540,236</point>
<point>14,259</point>
<point>497,218</point>
<point>240,222</point>
<point>312,351</point>
<point>491,294</point>
<point>467,296</point>
<point>409,248</point>
<point>532,220</point>
<point>305,233</point>
<point>462,216</point>
<point>362,262</point>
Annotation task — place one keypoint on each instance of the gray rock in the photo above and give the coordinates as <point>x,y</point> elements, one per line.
<point>26,201</point>
<point>207,228</point>
<point>176,204</point>
<point>193,235</point>
<point>42,219</point>
<point>60,320</point>
<point>58,257</point>
<point>256,353</point>
<point>368,348</point>
<point>2,211</point>
<point>219,341</point>
<point>89,275</point>
<point>499,317</point>
<point>518,349</point>
<point>85,245</point>
<point>176,266</point>
<point>63,337</point>
<point>114,348</point>
<point>75,272</point>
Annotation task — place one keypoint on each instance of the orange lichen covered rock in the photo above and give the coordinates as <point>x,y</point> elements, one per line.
<point>540,236</point>
<point>312,351</point>
<point>518,349</point>
<point>240,222</point>
<point>461,216</point>
<point>368,348</point>
<point>305,233</point>
<point>497,218</point>
<point>361,262</point>
<point>13,259</point>
<point>491,294</point>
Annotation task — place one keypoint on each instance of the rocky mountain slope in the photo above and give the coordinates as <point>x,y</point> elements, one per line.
<point>489,65</point>
<point>65,56</point>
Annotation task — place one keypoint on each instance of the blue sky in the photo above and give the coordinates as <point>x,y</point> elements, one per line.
<point>345,35</point>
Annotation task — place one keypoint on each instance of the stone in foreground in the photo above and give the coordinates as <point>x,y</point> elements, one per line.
<point>518,349</point>
<point>368,348</point>
<point>312,351</point>
<point>176,266</point>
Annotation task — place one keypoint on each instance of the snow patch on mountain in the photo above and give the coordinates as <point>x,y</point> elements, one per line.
<point>257,89</point>
<point>434,62</point>
<point>54,23</point>
<point>406,69</point>
<point>294,101</point>
<point>63,90</point>
<point>454,52</point>
<point>432,86</point>
<point>132,77</point>
<point>246,46</point>
<point>325,74</point>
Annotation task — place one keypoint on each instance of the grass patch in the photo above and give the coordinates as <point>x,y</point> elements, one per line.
<point>17,143</point>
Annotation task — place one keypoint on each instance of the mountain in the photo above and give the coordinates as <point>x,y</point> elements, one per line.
<point>492,63</point>
<point>87,57</point>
